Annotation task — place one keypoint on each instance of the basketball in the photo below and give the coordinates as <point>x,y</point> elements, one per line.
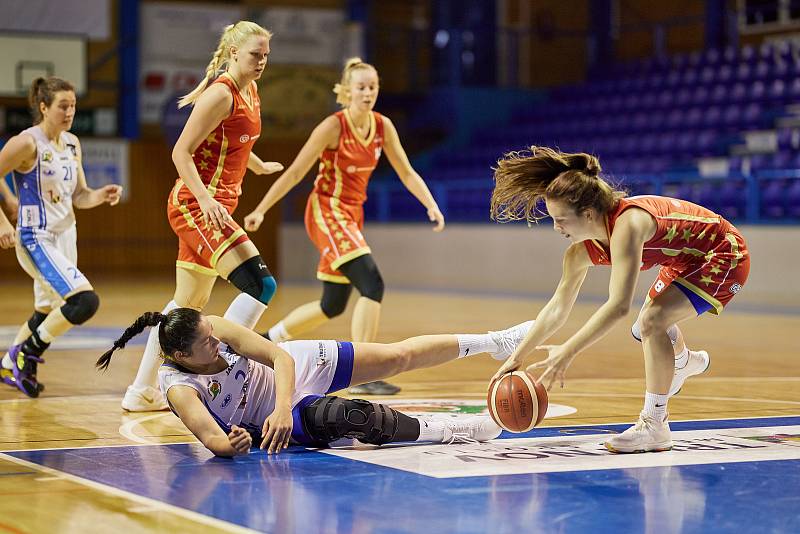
<point>517,402</point>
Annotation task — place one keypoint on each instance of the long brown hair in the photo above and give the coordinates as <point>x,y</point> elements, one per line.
<point>523,179</point>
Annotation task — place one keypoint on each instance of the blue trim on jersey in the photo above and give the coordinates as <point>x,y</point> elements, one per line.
<point>42,261</point>
<point>299,434</point>
<point>344,367</point>
<point>700,304</point>
<point>31,195</point>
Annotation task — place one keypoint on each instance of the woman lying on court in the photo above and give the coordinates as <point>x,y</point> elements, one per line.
<point>227,383</point>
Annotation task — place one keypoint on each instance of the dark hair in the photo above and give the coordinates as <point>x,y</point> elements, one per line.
<point>523,179</point>
<point>44,90</point>
<point>177,331</point>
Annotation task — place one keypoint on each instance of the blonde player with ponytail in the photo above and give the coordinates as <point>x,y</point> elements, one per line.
<point>348,145</point>
<point>211,156</point>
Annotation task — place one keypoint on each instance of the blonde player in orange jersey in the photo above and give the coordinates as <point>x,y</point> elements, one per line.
<point>211,156</point>
<point>703,262</point>
<point>348,145</point>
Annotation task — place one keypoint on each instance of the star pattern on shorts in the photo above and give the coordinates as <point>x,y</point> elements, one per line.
<point>344,245</point>
<point>687,235</point>
<point>715,270</point>
<point>324,186</point>
<point>203,165</point>
<point>212,138</point>
<point>671,233</point>
<point>216,235</point>
<point>206,153</point>
<point>338,234</point>
<point>706,280</point>
<point>712,237</point>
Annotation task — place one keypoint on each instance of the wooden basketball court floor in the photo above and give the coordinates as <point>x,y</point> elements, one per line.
<point>73,461</point>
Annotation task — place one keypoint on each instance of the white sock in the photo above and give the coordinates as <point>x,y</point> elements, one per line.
<point>655,406</point>
<point>44,335</point>
<point>278,333</point>
<point>682,359</point>
<point>148,368</point>
<point>430,430</point>
<point>7,363</point>
<point>469,344</point>
<point>245,310</point>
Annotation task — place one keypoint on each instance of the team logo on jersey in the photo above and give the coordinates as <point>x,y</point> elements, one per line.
<point>244,138</point>
<point>47,156</point>
<point>214,389</point>
<point>735,288</point>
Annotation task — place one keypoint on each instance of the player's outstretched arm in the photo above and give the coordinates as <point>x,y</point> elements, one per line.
<point>187,405</point>
<point>555,313</point>
<point>324,135</point>
<point>413,181</point>
<point>85,197</point>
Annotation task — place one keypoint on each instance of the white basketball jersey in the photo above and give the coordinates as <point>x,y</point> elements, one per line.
<point>242,395</point>
<point>45,192</point>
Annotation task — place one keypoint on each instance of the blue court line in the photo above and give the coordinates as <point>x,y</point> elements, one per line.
<point>307,491</point>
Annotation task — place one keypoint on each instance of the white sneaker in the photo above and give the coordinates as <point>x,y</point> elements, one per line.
<point>697,363</point>
<point>647,435</point>
<point>508,339</point>
<point>470,430</point>
<point>146,399</point>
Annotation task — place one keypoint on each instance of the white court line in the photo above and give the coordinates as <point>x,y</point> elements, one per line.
<point>126,430</point>
<point>148,502</point>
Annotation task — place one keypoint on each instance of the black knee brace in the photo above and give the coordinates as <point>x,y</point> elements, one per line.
<point>330,418</point>
<point>80,307</point>
<point>253,278</point>
<point>36,319</point>
<point>363,273</point>
<point>334,298</point>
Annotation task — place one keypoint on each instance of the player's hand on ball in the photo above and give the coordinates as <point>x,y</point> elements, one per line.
<point>510,365</point>
<point>277,430</point>
<point>253,221</point>
<point>240,440</point>
<point>555,364</point>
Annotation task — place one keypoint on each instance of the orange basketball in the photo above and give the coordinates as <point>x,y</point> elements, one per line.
<point>517,402</point>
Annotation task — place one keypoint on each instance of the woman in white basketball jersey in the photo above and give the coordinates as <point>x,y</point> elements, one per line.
<point>228,384</point>
<point>49,179</point>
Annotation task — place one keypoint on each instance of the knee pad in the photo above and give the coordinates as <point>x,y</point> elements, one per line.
<point>253,278</point>
<point>36,319</point>
<point>636,332</point>
<point>363,273</point>
<point>330,418</point>
<point>80,307</point>
<point>334,298</point>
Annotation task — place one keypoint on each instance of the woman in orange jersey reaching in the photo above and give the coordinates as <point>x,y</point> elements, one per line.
<point>211,156</point>
<point>703,263</point>
<point>348,145</point>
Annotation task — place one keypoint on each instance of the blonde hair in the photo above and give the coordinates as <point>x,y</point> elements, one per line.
<point>342,89</point>
<point>524,179</point>
<point>232,35</point>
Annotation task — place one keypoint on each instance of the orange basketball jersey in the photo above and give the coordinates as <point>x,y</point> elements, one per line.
<point>693,245</point>
<point>221,159</point>
<point>344,172</point>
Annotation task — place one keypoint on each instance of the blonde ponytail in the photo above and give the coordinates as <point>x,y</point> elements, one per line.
<point>342,89</point>
<point>232,35</point>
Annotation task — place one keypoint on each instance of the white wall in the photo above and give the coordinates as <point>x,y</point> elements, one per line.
<point>510,259</point>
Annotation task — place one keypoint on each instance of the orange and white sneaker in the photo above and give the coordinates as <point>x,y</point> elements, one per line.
<point>647,435</point>
<point>697,363</point>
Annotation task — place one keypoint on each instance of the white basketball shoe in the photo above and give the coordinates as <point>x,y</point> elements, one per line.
<point>647,435</point>
<point>697,363</point>
<point>508,339</point>
<point>471,430</point>
<point>144,399</point>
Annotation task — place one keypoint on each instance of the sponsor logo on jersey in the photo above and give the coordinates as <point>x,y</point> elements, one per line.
<point>47,156</point>
<point>226,401</point>
<point>214,389</point>
<point>244,138</point>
